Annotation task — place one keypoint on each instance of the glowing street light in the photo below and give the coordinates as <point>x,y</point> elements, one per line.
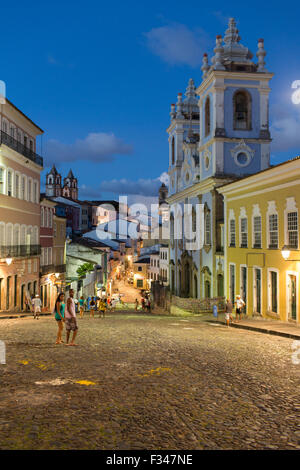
<point>8,260</point>
<point>285,252</point>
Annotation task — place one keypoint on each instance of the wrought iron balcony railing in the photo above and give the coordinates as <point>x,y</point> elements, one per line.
<point>20,148</point>
<point>53,268</point>
<point>16,251</point>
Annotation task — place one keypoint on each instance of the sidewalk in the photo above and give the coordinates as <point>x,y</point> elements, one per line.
<point>262,325</point>
<point>6,315</point>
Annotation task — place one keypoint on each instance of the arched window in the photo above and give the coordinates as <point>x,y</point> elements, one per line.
<point>173,150</point>
<point>207,116</point>
<point>242,110</point>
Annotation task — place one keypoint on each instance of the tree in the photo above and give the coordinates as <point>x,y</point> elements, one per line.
<point>85,269</point>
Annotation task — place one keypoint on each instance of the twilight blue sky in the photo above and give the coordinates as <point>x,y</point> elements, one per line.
<point>99,78</point>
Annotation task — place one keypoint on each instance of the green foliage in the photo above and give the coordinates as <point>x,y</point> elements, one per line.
<point>84,269</point>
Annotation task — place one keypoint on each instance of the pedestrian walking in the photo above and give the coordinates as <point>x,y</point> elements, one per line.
<point>102,308</point>
<point>136,304</point>
<point>70,319</point>
<point>92,307</point>
<point>36,303</point>
<point>148,304</point>
<point>81,306</point>
<point>240,304</point>
<point>143,304</point>
<point>59,311</point>
<point>228,312</point>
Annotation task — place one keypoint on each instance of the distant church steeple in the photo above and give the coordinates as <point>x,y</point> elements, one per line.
<point>53,183</point>
<point>54,187</point>
<point>70,188</point>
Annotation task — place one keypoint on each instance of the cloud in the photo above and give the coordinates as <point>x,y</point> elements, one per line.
<point>143,187</point>
<point>178,45</point>
<point>96,147</point>
<point>89,192</point>
<point>164,178</point>
<point>285,127</point>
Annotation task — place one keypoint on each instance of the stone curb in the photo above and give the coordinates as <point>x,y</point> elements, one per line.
<point>21,315</point>
<point>259,330</point>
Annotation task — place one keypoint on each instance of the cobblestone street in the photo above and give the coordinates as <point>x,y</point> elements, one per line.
<point>147,382</point>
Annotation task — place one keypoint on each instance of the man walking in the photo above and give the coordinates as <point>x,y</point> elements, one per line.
<point>70,319</point>
<point>36,303</point>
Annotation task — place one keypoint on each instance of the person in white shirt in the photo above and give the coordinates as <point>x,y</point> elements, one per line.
<point>240,304</point>
<point>36,303</point>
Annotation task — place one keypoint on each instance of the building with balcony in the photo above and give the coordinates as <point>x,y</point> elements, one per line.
<point>20,168</point>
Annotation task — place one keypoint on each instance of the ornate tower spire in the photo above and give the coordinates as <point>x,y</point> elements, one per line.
<point>179,114</point>
<point>232,33</point>
<point>205,66</point>
<point>261,53</point>
<point>219,51</point>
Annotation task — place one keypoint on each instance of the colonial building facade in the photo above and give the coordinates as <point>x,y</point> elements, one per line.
<point>20,168</point>
<point>219,132</point>
<point>262,241</point>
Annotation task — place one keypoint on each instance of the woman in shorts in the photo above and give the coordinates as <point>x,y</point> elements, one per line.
<point>60,316</point>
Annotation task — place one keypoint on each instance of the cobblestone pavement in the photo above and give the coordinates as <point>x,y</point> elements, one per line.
<point>145,382</point>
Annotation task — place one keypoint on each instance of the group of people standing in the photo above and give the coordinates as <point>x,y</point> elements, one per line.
<point>239,304</point>
<point>145,304</point>
<point>65,314</point>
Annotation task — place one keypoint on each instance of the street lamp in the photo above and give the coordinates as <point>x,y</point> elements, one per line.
<point>285,252</point>
<point>8,260</point>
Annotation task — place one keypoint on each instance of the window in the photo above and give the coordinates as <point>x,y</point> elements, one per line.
<point>23,188</point>
<point>35,192</point>
<point>194,220</point>
<point>173,150</point>
<point>49,255</point>
<point>46,217</point>
<point>139,268</point>
<point>273,231</point>
<point>207,229</point>
<point>25,141</point>
<point>29,195</point>
<point>292,226</point>
<point>9,183</point>
<point>4,126</point>
<point>50,218</point>
<point>9,235</point>
<point>1,180</point>
<point>241,111</point>
<point>54,229</point>
<point>207,116</point>
<point>257,232</point>
<point>17,185</point>
<point>12,132</point>
<point>232,233</point>
<point>244,233</point>
<point>16,235</point>
<point>42,217</point>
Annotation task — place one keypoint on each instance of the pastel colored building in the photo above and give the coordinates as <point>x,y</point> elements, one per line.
<point>219,131</point>
<point>262,241</point>
<point>20,168</point>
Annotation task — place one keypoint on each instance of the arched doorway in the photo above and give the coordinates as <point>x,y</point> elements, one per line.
<point>207,289</point>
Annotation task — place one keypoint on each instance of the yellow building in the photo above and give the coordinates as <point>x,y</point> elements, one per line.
<point>141,273</point>
<point>262,255</point>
